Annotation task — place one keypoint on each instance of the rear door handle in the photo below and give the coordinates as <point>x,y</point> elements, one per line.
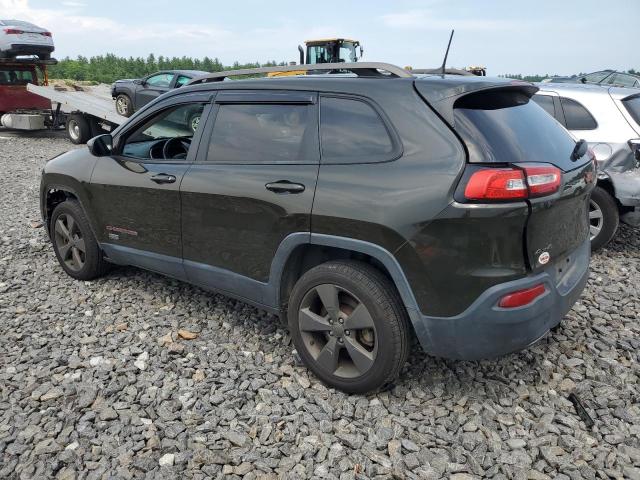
<point>163,178</point>
<point>285,186</point>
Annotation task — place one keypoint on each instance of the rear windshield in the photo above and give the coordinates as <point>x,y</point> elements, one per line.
<point>632,104</point>
<point>509,127</point>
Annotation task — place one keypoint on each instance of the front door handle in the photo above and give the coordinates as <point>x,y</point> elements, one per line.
<point>163,178</point>
<point>285,186</point>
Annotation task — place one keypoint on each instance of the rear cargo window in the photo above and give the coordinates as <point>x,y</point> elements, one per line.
<point>508,127</point>
<point>576,116</point>
<point>352,131</point>
<point>632,104</point>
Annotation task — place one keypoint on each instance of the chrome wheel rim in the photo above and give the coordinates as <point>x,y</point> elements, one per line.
<point>596,219</point>
<point>338,331</point>
<point>74,129</point>
<point>121,106</point>
<point>69,242</point>
<point>195,121</point>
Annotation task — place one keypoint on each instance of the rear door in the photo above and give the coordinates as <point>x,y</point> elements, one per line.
<point>504,127</point>
<point>251,186</point>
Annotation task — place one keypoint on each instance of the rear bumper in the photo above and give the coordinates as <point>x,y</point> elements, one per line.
<point>29,49</point>
<point>485,330</point>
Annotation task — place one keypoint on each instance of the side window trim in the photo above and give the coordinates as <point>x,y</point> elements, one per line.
<point>240,97</point>
<point>397,148</point>
<point>195,141</point>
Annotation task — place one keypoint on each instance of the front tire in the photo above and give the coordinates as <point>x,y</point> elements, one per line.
<point>603,218</point>
<point>349,326</point>
<point>73,241</point>
<point>124,106</point>
<point>78,128</point>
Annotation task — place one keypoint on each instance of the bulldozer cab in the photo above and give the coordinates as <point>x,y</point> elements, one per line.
<point>331,50</point>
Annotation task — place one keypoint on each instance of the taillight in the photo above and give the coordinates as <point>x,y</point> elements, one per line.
<point>13,31</point>
<point>46,34</point>
<point>521,298</point>
<point>513,183</point>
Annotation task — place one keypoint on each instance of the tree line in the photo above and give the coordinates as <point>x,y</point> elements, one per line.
<point>109,68</point>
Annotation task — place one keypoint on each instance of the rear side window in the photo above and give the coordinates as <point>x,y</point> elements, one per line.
<point>632,104</point>
<point>546,102</point>
<point>508,127</point>
<point>262,133</point>
<point>351,131</point>
<point>576,116</point>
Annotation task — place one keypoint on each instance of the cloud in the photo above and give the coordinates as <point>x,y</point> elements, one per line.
<point>429,20</point>
<point>74,4</point>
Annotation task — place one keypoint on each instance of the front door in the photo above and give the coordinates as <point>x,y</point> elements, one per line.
<point>251,186</point>
<point>135,192</point>
<point>152,87</point>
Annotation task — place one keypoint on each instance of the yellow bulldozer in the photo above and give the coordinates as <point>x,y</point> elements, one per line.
<point>326,50</point>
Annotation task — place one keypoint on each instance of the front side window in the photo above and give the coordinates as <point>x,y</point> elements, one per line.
<point>261,133</point>
<point>576,116</point>
<point>546,102</point>
<point>182,80</point>
<point>160,80</point>
<point>167,135</point>
<point>16,77</point>
<point>352,131</point>
<point>623,80</point>
<point>596,77</point>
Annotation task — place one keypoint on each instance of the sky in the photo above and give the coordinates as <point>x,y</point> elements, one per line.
<point>508,37</point>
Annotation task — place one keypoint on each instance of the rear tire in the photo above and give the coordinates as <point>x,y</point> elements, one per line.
<point>603,218</point>
<point>75,245</point>
<point>78,128</point>
<point>359,344</point>
<point>124,106</point>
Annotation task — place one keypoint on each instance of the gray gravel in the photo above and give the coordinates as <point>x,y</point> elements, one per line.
<point>95,381</point>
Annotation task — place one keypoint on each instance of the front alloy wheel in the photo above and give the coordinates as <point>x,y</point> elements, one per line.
<point>69,242</point>
<point>338,331</point>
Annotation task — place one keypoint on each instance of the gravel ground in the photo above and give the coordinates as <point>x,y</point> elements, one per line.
<point>96,383</point>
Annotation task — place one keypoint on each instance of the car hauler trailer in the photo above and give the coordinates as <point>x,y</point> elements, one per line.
<point>28,102</point>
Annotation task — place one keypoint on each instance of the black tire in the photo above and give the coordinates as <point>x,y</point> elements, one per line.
<point>370,289</point>
<point>124,105</point>
<point>93,264</point>
<point>604,218</point>
<point>78,128</point>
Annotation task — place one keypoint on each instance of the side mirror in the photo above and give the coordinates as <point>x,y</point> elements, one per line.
<point>579,150</point>
<point>583,79</point>
<point>138,81</point>
<point>101,145</point>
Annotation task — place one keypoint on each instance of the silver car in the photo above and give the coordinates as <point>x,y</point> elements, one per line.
<point>608,118</point>
<point>24,38</point>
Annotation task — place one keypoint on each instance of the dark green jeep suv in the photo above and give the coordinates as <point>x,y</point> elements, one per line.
<point>365,206</point>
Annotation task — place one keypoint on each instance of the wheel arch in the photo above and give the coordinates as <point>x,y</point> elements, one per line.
<point>53,195</point>
<point>300,252</point>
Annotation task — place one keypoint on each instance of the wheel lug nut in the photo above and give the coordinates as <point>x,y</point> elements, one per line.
<point>331,334</point>
<point>340,340</point>
<point>347,333</point>
<point>341,320</point>
<point>330,322</point>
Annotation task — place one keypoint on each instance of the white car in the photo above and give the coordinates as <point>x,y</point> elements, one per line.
<point>608,119</point>
<point>24,38</point>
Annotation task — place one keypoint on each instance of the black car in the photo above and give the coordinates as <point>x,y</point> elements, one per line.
<point>132,94</point>
<point>364,209</point>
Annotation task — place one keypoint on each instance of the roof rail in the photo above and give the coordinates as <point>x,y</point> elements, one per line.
<point>438,71</point>
<point>361,69</point>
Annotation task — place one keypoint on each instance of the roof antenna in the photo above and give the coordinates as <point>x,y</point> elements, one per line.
<point>447,52</point>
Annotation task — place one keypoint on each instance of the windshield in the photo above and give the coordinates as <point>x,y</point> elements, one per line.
<point>326,53</point>
<point>509,127</point>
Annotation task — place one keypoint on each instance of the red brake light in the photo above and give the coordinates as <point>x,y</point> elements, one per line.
<point>13,31</point>
<point>46,34</point>
<point>543,180</point>
<point>496,184</point>
<point>522,297</point>
<point>511,184</point>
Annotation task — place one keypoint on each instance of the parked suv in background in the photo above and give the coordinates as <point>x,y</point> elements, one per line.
<point>604,77</point>
<point>132,94</point>
<point>608,118</point>
<point>362,210</point>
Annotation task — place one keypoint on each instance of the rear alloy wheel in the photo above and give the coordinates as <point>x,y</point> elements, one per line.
<point>74,244</point>
<point>194,121</point>
<point>349,326</point>
<point>603,218</point>
<point>78,128</point>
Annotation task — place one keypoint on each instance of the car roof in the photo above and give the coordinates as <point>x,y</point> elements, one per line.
<point>590,88</point>
<point>17,23</point>
<point>197,73</point>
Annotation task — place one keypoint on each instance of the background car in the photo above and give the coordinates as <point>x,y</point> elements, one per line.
<point>603,77</point>
<point>132,94</point>
<point>24,38</point>
<point>608,118</point>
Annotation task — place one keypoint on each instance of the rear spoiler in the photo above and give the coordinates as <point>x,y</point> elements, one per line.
<point>443,100</point>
